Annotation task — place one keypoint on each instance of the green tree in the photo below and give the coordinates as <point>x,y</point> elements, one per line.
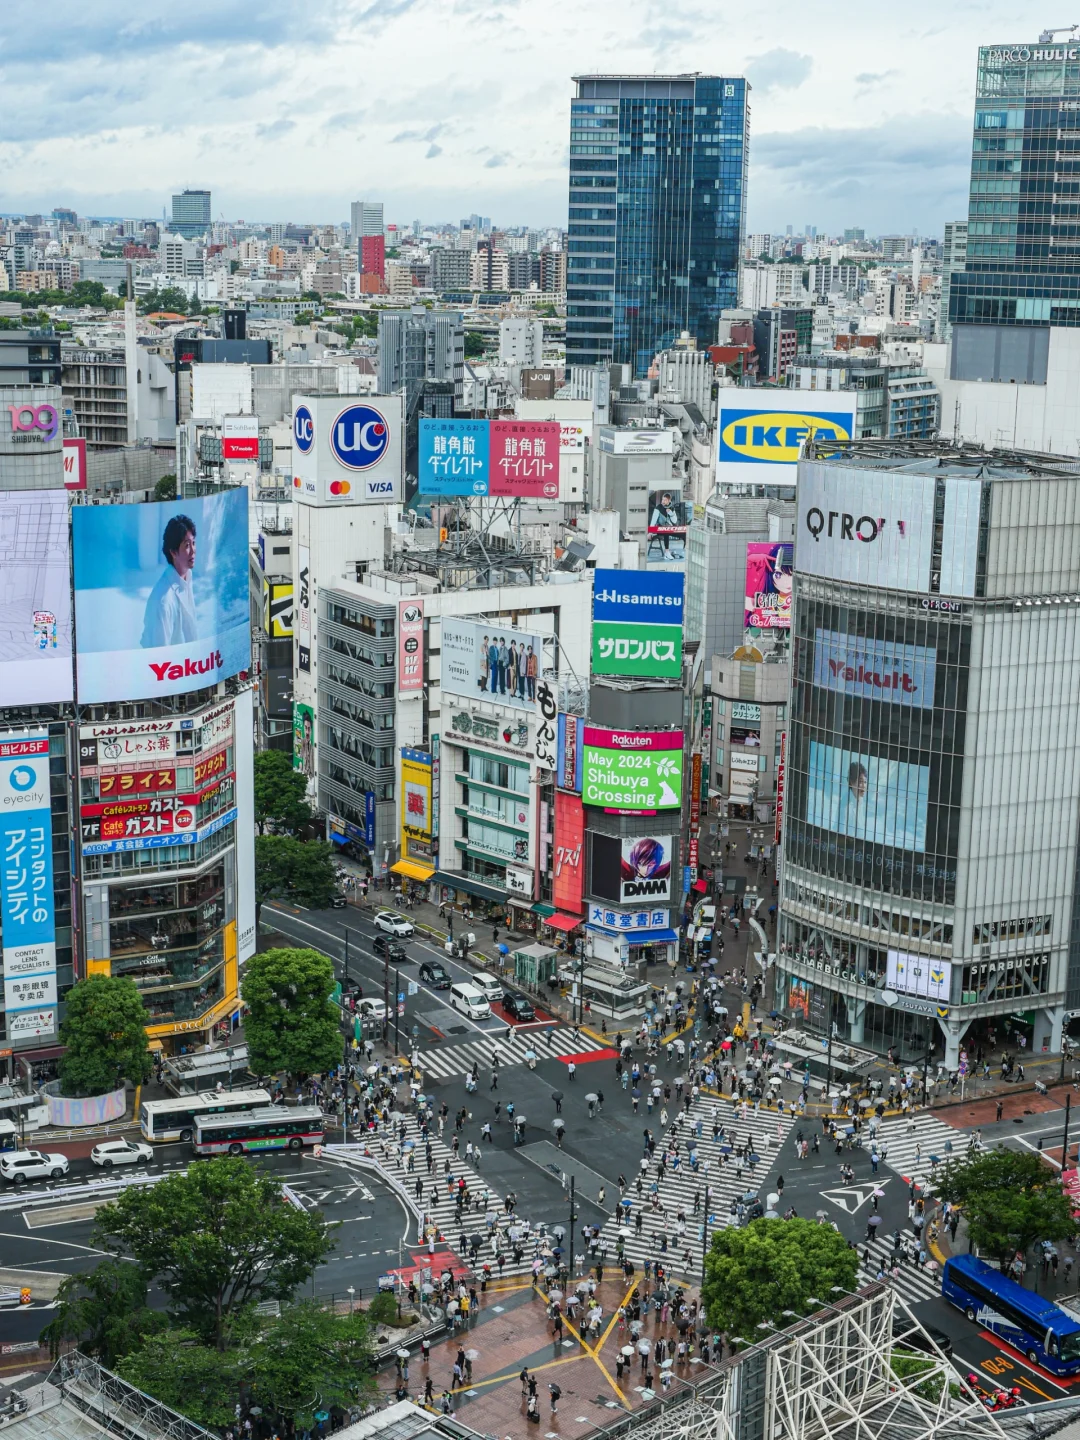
<point>165,489</point>
<point>217,1239</point>
<point>280,793</point>
<point>292,1024</point>
<point>103,1311</point>
<point>475,344</point>
<point>304,317</point>
<point>1010,1199</point>
<point>754,1275</point>
<point>175,1367</point>
<point>301,871</point>
<point>104,1032</point>
<point>311,1359</point>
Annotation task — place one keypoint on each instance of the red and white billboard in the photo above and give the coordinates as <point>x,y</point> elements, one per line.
<point>781,776</point>
<point>569,843</point>
<point>410,646</point>
<point>523,458</point>
<point>240,437</point>
<point>74,464</point>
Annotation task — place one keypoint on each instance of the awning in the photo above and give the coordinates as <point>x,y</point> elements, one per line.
<point>339,839</point>
<point>543,909</point>
<point>457,881</point>
<point>563,922</point>
<point>636,937</point>
<point>700,886</point>
<point>413,869</point>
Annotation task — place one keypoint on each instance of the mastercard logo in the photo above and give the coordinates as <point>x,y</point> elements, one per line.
<point>340,487</point>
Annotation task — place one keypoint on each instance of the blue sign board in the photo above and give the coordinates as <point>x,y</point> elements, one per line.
<point>453,457</point>
<point>26,886</point>
<point>650,596</point>
<point>369,818</point>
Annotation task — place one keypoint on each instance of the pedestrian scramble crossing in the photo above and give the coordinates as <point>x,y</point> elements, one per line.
<point>727,1178</point>
<point>912,1282</point>
<point>454,1062</point>
<point>916,1148</point>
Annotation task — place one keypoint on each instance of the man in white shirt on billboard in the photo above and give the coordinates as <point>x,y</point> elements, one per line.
<point>170,607</point>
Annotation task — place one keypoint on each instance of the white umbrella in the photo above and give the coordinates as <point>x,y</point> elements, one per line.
<point>777,1080</point>
<point>591,1098</point>
<point>403,1354</point>
<point>666,1364</point>
<point>627,1350</point>
<point>643,1347</point>
<point>472,1354</point>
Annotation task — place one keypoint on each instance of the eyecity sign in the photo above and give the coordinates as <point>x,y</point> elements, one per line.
<point>632,771</point>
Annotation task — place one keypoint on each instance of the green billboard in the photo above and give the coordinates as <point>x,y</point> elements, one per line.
<point>636,648</point>
<point>632,770</point>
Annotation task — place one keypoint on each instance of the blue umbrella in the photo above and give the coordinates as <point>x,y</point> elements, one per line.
<point>636,1092</point>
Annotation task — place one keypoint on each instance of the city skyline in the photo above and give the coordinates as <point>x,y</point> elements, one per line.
<point>872,128</point>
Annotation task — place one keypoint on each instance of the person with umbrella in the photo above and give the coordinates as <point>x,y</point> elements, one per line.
<point>871,1226</point>
<point>557,1096</point>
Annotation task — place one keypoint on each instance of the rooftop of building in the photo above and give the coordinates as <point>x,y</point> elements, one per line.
<point>944,457</point>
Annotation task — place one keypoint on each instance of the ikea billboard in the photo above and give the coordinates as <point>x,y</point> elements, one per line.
<point>761,432</point>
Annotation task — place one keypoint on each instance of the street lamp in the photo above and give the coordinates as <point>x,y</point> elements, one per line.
<point>351,1292</point>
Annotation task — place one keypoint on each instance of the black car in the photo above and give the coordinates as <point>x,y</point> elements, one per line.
<point>386,947</point>
<point>918,1337</point>
<point>338,901</point>
<point>433,974</point>
<point>518,1007</point>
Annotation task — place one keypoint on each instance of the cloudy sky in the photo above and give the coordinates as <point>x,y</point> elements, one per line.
<point>290,109</point>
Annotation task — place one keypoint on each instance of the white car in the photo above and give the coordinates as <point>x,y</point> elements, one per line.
<point>489,987</point>
<point>121,1152</point>
<point>374,1007</point>
<point>393,923</point>
<point>25,1165</point>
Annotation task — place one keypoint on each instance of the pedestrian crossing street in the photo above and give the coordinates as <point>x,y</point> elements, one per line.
<point>456,1061</point>
<point>912,1282</point>
<point>716,1169</point>
<point>911,1151</point>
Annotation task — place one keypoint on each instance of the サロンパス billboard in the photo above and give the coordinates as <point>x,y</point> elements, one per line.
<point>497,663</point>
<point>636,649</point>
<point>637,623</point>
<point>768,586</point>
<point>633,770</point>
<point>35,598</point>
<point>875,669</point>
<point>161,596</point>
<point>760,436</point>
<point>645,869</point>
<point>882,802</point>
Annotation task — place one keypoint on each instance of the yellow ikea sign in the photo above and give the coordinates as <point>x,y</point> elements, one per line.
<point>776,437</point>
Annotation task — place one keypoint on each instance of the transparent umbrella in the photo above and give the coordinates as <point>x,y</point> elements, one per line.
<point>628,1350</point>
<point>472,1354</point>
<point>591,1098</point>
<point>558,1124</point>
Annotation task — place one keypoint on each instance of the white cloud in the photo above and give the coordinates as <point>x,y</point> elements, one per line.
<point>289,112</point>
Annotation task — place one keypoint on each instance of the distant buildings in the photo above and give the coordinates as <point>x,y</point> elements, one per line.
<point>191,214</point>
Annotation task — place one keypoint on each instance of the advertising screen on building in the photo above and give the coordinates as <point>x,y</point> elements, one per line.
<point>161,596</point>
<point>35,598</point>
<point>875,669</point>
<point>570,753</point>
<point>655,596</point>
<point>453,457</point>
<point>918,975</point>
<point>302,614</point>
<point>303,743</point>
<point>645,869</point>
<point>876,527</point>
<point>410,620</point>
<point>75,464</point>
<point>633,771</point>
<point>669,517</point>
<point>415,796</point>
<point>497,663</point>
<point>516,458</point>
<point>240,437</point>
<point>27,908</point>
<point>640,648</point>
<point>347,450</point>
<point>768,586</point>
<point>569,843</point>
<point>277,610</point>
<point>760,434</point>
<point>878,801</point>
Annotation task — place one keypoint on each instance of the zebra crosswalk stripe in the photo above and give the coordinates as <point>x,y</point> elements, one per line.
<point>456,1061</point>
<point>911,1150</point>
<point>913,1282</point>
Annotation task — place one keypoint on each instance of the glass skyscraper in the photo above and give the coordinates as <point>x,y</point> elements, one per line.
<point>1022,272</point>
<point>191,214</point>
<point>656,215</point>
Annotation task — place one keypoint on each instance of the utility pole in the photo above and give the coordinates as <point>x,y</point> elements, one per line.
<point>572,1221</point>
<point>397,1015</point>
<point>385,996</point>
<point>828,1062</point>
<point>1065,1140</point>
<point>346,959</point>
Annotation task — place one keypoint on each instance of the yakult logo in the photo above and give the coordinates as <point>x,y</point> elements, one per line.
<point>26,419</point>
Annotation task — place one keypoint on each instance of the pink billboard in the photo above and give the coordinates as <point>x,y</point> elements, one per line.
<point>768,586</point>
<point>410,646</point>
<point>524,459</point>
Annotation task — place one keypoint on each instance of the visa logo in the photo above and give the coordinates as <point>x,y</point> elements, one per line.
<point>775,437</point>
<point>377,488</point>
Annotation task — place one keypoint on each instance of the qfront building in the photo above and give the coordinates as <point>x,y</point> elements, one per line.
<point>932,810</point>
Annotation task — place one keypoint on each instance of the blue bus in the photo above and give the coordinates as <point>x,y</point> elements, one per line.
<point>1046,1334</point>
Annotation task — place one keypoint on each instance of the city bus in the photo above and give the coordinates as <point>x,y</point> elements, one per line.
<point>271,1128</point>
<point>1045,1333</point>
<point>175,1119</point>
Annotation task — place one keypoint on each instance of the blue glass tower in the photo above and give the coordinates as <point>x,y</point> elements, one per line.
<point>657,212</point>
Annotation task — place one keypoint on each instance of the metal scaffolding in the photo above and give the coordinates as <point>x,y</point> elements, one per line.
<point>117,1406</point>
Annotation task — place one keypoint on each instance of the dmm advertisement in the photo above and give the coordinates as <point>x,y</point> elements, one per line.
<point>35,598</point>
<point>567,876</point>
<point>161,596</point>
<point>645,869</point>
<point>867,798</point>
<point>759,437</point>
<point>875,669</point>
<point>768,586</point>
<point>26,884</point>
<point>496,662</point>
<point>636,771</point>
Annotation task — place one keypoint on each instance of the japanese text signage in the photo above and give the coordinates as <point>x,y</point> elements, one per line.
<point>514,458</point>
<point>633,771</point>
<point>571,750</point>
<point>637,623</point>
<point>567,873</point>
<point>547,714</point>
<point>410,646</point>
<point>26,881</point>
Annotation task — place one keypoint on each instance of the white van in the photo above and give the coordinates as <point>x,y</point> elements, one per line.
<point>489,987</point>
<point>468,999</point>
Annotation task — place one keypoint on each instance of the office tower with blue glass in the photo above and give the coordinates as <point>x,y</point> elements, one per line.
<point>191,214</point>
<point>656,215</point>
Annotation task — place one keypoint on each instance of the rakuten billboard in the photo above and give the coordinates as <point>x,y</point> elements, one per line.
<point>161,596</point>
<point>633,771</point>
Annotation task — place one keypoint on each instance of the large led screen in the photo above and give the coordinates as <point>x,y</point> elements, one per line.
<point>161,596</point>
<point>35,598</point>
<point>880,801</point>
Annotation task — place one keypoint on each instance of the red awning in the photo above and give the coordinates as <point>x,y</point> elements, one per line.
<point>700,886</point>
<point>563,922</point>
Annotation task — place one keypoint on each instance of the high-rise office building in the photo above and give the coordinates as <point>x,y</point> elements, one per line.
<point>191,214</point>
<point>1022,270</point>
<point>366,218</point>
<point>656,213</point>
<point>953,258</point>
<point>418,345</point>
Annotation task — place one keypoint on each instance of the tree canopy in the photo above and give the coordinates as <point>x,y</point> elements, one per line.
<point>103,1311</point>
<point>1010,1198</point>
<point>292,1024</point>
<point>754,1274</point>
<point>280,793</point>
<point>301,871</point>
<point>105,1035</point>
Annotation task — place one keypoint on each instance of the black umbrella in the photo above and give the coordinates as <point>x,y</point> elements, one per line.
<point>556,1094</point>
